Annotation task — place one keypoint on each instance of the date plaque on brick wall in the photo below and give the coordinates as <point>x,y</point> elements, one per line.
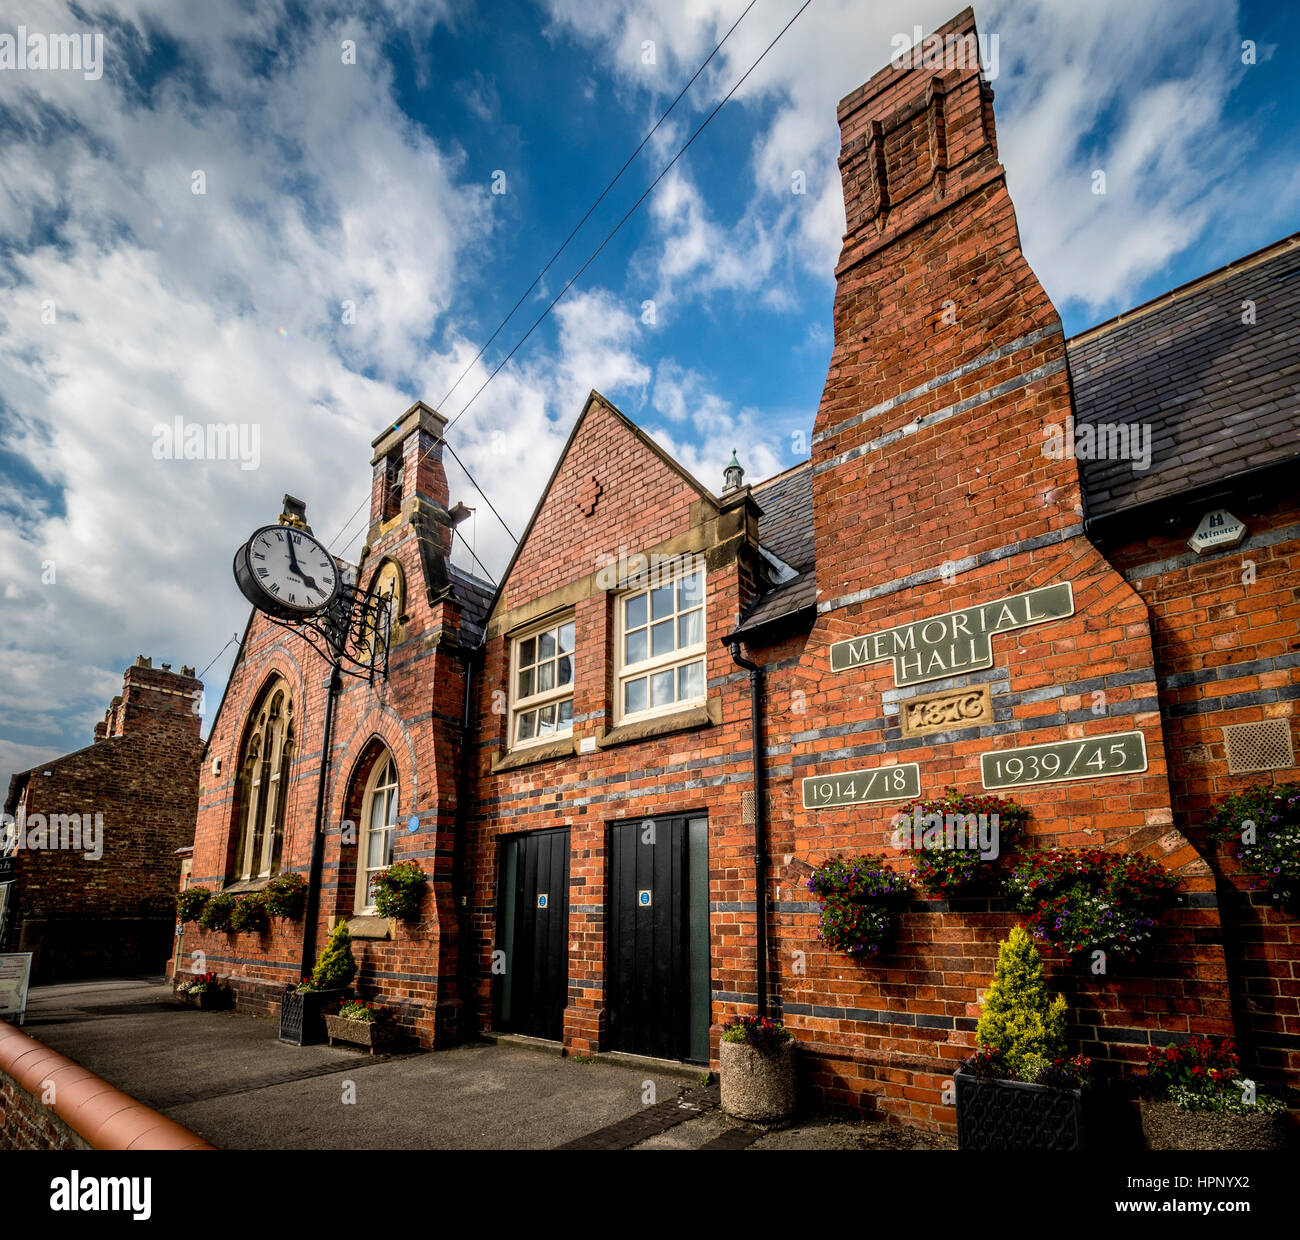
<point>946,711</point>
<point>1092,757</point>
<point>954,643</point>
<point>901,782</point>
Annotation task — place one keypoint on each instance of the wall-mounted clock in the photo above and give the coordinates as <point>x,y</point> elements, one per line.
<point>287,573</point>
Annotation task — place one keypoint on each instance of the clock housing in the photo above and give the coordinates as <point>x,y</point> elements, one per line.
<point>287,573</point>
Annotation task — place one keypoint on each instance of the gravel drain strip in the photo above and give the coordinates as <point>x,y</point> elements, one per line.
<point>649,1122</point>
<point>264,1082</point>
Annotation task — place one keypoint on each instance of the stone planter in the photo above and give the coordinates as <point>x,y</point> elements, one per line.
<point>758,1086</point>
<point>1015,1115</point>
<point>1167,1127</point>
<point>377,1035</point>
<point>210,1000</point>
<point>302,1020</point>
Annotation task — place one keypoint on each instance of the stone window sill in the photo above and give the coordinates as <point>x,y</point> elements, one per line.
<point>565,747</point>
<point>365,926</point>
<point>662,725</point>
<point>246,885</point>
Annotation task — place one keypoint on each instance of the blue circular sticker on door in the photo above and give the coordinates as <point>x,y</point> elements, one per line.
<point>644,899</point>
<point>542,900</point>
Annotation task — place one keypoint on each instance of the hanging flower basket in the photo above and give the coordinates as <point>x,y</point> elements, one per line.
<point>399,891</point>
<point>857,896</point>
<point>1261,826</point>
<point>286,896</point>
<point>959,841</point>
<point>1086,900</point>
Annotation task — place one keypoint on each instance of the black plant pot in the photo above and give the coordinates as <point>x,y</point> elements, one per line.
<point>302,1022</point>
<point>1014,1115</point>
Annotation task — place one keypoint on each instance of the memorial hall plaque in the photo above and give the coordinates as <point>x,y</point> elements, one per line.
<point>943,712</point>
<point>1093,757</point>
<point>881,783</point>
<point>954,643</point>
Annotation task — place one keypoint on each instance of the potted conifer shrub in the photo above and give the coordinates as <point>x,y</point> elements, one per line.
<point>302,1020</point>
<point>362,1024</point>
<point>1019,1091</point>
<point>1196,1097</point>
<point>757,1061</point>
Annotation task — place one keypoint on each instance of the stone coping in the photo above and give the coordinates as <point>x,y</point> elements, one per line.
<point>99,1113</point>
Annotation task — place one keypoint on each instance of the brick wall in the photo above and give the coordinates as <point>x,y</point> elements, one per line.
<point>83,916</point>
<point>643,505</point>
<point>1228,652</point>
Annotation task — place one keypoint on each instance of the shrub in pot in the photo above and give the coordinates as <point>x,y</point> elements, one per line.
<point>286,896</point>
<point>302,1009</point>
<point>950,838</point>
<point>857,895</point>
<point>190,904</point>
<point>1195,1097</point>
<point>217,913</point>
<point>363,1024</point>
<point>399,891</point>
<point>757,1064</point>
<point>249,914</point>
<point>1262,827</point>
<point>1019,1091</point>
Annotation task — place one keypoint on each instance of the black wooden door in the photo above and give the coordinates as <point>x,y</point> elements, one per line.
<point>533,934</point>
<point>657,975</point>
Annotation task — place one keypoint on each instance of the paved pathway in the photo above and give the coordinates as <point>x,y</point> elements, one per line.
<point>227,1077</point>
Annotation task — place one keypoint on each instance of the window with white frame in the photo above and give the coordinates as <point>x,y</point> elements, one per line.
<point>661,647</point>
<point>542,685</point>
<point>379,827</point>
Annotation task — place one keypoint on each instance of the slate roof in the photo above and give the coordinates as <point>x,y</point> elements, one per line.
<point>786,530</point>
<point>786,526</point>
<point>1221,397</point>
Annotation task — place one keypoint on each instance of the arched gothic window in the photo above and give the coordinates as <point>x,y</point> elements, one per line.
<point>378,828</point>
<point>264,784</point>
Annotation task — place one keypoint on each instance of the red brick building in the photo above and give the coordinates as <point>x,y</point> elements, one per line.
<point>612,868</point>
<point>94,870</point>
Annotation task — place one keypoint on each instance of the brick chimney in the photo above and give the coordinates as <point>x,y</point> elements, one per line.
<point>948,356</point>
<point>409,489</point>
<point>153,700</point>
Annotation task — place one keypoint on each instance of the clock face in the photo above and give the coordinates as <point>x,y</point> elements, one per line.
<point>289,571</point>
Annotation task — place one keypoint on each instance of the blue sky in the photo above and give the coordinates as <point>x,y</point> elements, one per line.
<point>371,183</point>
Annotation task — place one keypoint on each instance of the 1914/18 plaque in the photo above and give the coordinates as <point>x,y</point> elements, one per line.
<point>880,783</point>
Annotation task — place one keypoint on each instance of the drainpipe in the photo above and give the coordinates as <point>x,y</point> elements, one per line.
<point>459,892</point>
<point>760,820</point>
<point>317,838</point>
